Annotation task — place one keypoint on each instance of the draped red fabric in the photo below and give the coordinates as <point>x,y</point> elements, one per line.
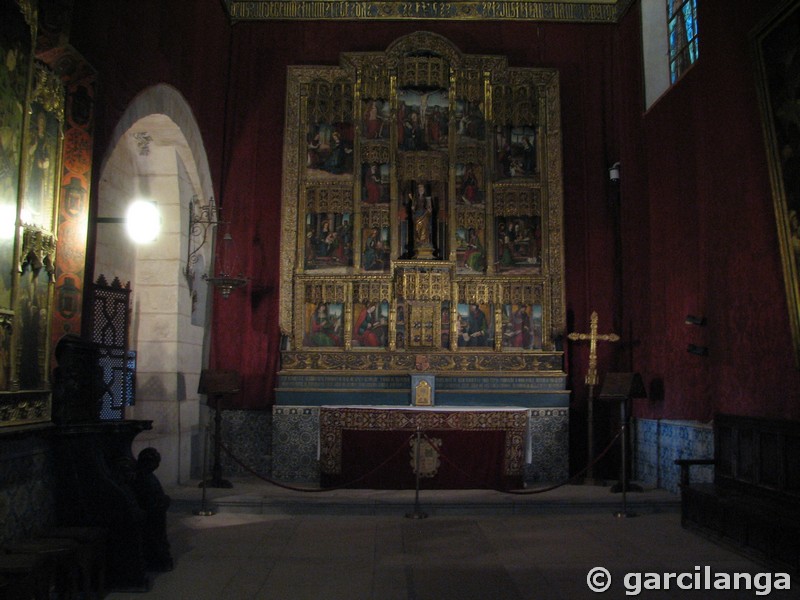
<point>696,226</point>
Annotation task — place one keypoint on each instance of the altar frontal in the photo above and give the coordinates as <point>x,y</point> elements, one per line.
<point>376,447</point>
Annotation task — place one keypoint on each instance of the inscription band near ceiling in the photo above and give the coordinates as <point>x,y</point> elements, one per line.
<point>600,11</point>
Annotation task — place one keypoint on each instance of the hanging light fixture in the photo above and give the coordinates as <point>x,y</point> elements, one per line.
<point>223,281</point>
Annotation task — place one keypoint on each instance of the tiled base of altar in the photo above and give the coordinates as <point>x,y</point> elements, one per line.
<point>295,444</point>
<point>247,434</point>
<point>658,443</point>
<point>548,445</point>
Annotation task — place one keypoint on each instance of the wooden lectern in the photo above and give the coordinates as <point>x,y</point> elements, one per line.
<point>216,385</point>
<point>622,387</point>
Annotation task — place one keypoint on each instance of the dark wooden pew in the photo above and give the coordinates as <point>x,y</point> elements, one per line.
<point>754,501</point>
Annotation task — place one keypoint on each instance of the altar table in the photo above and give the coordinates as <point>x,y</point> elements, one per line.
<point>460,448</point>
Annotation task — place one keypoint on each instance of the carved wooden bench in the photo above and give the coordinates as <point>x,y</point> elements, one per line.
<point>61,562</point>
<point>25,576</point>
<point>754,501</point>
<point>91,556</point>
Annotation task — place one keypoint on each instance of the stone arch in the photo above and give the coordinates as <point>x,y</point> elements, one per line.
<point>156,150</point>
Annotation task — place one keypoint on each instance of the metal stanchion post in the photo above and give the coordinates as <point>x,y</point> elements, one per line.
<point>418,513</point>
<point>204,511</point>
<point>624,476</point>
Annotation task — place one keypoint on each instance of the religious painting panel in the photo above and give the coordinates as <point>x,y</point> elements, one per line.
<point>470,120</point>
<point>324,325</point>
<point>522,326</point>
<point>375,251</point>
<point>470,184</point>
<point>330,148</point>
<point>42,154</point>
<point>32,320</point>
<point>377,119</point>
<point>777,48</point>
<point>470,249</point>
<point>375,183</point>
<point>423,118</point>
<point>518,244</point>
<point>475,328</point>
<point>15,52</point>
<point>329,240</point>
<point>370,325</point>
<point>515,151</point>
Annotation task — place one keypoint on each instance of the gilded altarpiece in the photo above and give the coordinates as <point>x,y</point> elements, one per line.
<point>422,215</point>
<point>31,142</point>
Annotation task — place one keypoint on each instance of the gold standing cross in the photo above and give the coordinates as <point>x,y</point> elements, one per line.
<point>591,380</point>
<point>593,337</point>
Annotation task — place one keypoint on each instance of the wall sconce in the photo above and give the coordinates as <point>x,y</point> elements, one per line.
<point>692,320</point>
<point>142,221</point>
<point>201,220</point>
<point>697,350</point>
<point>613,173</point>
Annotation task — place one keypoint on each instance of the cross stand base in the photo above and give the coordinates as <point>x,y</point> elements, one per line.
<point>418,513</point>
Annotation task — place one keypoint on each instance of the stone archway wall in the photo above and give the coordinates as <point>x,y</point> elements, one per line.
<point>157,151</point>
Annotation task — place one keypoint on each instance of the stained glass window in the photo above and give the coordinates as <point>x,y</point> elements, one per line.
<point>683,38</point>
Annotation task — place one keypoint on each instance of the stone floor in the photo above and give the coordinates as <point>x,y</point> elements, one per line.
<point>267,542</point>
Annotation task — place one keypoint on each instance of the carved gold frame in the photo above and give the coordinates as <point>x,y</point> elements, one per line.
<point>486,79</point>
<point>776,50</point>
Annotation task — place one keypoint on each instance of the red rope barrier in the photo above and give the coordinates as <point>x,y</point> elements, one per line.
<point>578,475</point>
<point>443,456</point>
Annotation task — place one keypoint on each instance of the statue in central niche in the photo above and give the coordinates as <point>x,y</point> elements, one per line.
<point>421,211</point>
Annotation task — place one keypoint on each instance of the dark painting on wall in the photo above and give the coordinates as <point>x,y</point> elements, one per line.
<point>777,48</point>
<point>41,163</point>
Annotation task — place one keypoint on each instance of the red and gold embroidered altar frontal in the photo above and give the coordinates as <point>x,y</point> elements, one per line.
<point>456,448</point>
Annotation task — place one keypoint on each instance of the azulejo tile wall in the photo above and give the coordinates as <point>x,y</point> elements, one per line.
<point>658,443</point>
<point>295,436</point>
<point>27,504</point>
<point>548,443</point>
<point>247,434</point>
